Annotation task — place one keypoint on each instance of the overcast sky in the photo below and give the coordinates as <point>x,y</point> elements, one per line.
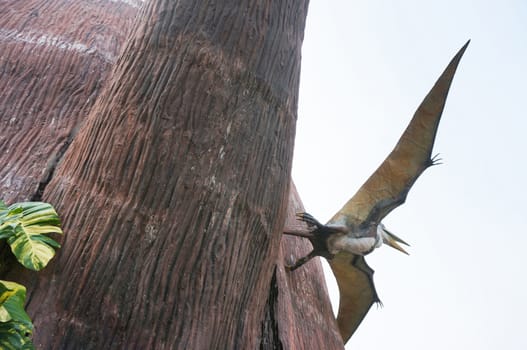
<point>366,67</point>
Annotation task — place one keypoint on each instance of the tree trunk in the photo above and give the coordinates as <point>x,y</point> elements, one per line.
<point>54,57</point>
<point>298,312</point>
<point>174,192</point>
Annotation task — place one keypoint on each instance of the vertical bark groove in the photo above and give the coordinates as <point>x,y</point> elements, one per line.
<point>270,326</point>
<point>159,252</point>
<point>53,161</point>
<point>302,310</point>
<point>174,191</point>
<point>54,56</point>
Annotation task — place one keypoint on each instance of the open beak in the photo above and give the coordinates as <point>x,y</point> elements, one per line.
<point>393,241</point>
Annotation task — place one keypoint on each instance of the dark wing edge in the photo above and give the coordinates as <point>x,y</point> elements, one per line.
<point>357,291</point>
<point>389,185</point>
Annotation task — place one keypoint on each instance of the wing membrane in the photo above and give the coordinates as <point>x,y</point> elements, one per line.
<point>388,187</point>
<point>385,190</point>
<point>357,292</point>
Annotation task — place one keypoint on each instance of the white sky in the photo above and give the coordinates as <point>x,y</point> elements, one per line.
<point>366,67</point>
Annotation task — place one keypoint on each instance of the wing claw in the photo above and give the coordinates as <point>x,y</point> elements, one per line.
<point>436,160</point>
<point>385,190</point>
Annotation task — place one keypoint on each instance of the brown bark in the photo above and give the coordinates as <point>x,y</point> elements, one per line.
<point>173,193</point>
<point>299,307</point>
<point>54,57</point>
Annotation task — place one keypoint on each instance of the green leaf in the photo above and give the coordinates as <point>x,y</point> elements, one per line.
<point>12,300</point>
<point>9,219</point>
<point>15,325</point>
<point>15,336</point>
<point>5,293</point>
<point>25,226</point>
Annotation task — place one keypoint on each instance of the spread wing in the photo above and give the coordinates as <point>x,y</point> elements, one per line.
<point>385,190</point>
<point>357,291</point>
<point>388,187</point>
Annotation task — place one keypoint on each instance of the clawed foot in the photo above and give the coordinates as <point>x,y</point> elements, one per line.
<point>309,220</point>
<point>317,236</point>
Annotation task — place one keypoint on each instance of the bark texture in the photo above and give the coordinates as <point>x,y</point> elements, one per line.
<point>173,193</point>
<point>54,57</point>
<point>299,314</point>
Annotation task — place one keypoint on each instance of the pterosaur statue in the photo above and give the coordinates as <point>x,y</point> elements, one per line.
<point>356,230</point>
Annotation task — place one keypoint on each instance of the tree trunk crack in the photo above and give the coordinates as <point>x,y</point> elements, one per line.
<point>270,339</point>
<point>52,166</point>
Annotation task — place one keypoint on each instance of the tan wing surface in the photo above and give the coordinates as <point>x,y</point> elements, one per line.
<point>388,187</point>
<point>385,190</point>
<point>357,292</point>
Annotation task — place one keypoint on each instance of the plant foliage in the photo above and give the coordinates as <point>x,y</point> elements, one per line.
<point>25,227</point>
<point>15,325</point>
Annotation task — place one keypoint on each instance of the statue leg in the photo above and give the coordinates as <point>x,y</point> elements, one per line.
<point>301,261</point>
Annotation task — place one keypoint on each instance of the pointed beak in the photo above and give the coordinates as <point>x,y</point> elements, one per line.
<point>393,241</point>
